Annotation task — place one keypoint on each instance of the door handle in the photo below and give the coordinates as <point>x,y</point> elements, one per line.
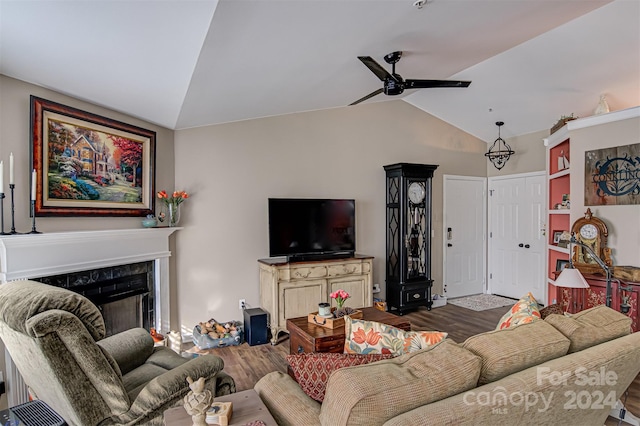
<point>520,245</point>
<point>449,245</point>
<point>527,246</point>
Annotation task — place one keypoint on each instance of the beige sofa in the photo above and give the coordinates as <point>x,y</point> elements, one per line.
<point>561,370</point>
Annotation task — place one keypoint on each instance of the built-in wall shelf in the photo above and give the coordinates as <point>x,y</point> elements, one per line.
<point>558,249</point>
<point>561,173</point>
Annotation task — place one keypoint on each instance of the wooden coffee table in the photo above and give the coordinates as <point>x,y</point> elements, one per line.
<point>247,407</point>
<point>306,337</point>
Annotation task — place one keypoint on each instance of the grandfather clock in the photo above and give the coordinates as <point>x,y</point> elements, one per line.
<point>408,257</point>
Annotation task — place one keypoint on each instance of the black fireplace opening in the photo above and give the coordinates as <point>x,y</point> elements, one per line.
<point>123,293</point>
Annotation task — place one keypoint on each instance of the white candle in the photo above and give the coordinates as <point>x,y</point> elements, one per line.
<point>11,182</point>
<point>1,177</point>
<point>34,178</point>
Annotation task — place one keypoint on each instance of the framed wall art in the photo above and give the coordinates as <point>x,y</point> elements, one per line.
<point>612,176</point>
<point>89,165</point>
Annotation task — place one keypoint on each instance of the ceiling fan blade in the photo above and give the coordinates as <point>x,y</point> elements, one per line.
<point>370,95</point>
<point>376,68</point>
<point>426,84</point>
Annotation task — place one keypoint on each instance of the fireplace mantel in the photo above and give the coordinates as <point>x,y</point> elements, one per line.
<point>26,256</point>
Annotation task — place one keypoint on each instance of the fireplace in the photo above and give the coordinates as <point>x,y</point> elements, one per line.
<point>122,293</point>
<point>131,266</point>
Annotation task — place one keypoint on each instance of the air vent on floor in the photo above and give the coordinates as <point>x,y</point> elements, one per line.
<point>37,413</point>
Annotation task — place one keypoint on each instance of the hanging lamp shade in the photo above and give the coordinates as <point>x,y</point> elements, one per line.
<point>500,151</point>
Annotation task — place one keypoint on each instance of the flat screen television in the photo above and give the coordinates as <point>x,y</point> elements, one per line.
<point>307,229</point>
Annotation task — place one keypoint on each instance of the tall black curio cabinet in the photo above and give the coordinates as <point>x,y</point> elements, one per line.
<point>408,261</point>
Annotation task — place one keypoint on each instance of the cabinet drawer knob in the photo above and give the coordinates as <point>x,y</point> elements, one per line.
<point>416,296</point>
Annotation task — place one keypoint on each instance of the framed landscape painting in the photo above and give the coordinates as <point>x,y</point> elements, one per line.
<point>88,165</point>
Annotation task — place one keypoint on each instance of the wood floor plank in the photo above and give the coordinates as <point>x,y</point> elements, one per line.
<point>247,364</point>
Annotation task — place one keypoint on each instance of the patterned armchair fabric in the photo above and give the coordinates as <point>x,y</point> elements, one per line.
<point>56,339</point>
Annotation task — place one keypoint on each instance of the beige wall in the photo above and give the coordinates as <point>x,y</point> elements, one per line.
<point>14,137</point>
<point>529,155</point>
<point>623,222</point>
<point>232,169</point>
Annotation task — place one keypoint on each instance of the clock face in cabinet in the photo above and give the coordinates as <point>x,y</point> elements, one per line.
<point>416,192</point>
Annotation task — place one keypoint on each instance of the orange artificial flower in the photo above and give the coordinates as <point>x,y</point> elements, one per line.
<point>371,338</point>
<point>176,198</point>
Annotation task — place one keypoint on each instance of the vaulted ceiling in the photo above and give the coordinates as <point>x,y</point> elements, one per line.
<point>182,64</point>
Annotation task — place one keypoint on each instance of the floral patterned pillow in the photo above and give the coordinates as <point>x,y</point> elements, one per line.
<point>524,311</point>
<point>370,337</point>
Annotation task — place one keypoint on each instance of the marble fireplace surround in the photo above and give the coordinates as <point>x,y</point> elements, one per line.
<point>27,256</point>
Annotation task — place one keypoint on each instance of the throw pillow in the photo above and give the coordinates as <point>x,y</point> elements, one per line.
<point>370,337</point>
<point>312,371</point>
<point>550,309</point>
<point>524,311</point>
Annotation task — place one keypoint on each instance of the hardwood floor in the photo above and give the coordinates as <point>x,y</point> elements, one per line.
<point>247,364</point>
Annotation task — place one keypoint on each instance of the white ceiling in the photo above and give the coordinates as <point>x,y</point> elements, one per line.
<point>183,64</point>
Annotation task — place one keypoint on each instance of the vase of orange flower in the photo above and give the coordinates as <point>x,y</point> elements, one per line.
<point>171,206</point>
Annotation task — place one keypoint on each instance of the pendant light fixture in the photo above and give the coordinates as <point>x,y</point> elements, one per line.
<point>500,151</point>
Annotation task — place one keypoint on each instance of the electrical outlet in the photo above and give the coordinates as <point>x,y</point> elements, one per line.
<point>242,303</point>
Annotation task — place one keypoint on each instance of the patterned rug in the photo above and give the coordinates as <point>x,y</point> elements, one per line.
<point>482,302</point>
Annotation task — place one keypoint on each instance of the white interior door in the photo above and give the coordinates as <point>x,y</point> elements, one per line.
<point>516,240</point>
<point>465,218</point>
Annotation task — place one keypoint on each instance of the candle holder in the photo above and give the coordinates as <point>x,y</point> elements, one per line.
<point>2,215</point>
<point>13,214</point>
<point>33,218</point>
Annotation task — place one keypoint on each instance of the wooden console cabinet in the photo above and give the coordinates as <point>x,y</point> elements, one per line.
<point>574,300</point>
<point>294,289</point>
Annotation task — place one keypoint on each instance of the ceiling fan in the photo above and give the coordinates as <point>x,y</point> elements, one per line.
<point>394,84</point>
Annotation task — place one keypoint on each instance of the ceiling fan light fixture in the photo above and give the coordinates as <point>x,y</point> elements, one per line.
<point>500,151</point>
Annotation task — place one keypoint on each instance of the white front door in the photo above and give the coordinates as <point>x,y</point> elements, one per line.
<point>516,240</point>
<point>464,240</point>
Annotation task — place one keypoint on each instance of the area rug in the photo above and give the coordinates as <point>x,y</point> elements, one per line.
<point>482,302</point>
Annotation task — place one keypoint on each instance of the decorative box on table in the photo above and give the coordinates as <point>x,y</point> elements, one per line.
<point>228,334</point>
<point>331,322</point>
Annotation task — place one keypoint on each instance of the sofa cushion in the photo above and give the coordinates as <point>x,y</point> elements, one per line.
<point>524,311</point>
<point>370,337</point>
<point>507,351</point>
<point>371,394</point>
<point>312,371</point>
<point>591,327</point>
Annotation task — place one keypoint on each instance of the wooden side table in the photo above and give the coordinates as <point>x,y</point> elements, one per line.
<point>247,407</point>
<point>306,337</point>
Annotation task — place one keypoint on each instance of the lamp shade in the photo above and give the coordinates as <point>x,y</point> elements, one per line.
<point>572,278</point>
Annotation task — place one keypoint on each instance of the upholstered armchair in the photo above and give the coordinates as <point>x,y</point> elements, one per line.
<point>56,339</point>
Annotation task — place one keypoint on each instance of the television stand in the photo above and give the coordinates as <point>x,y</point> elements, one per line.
<point>291,289</point>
